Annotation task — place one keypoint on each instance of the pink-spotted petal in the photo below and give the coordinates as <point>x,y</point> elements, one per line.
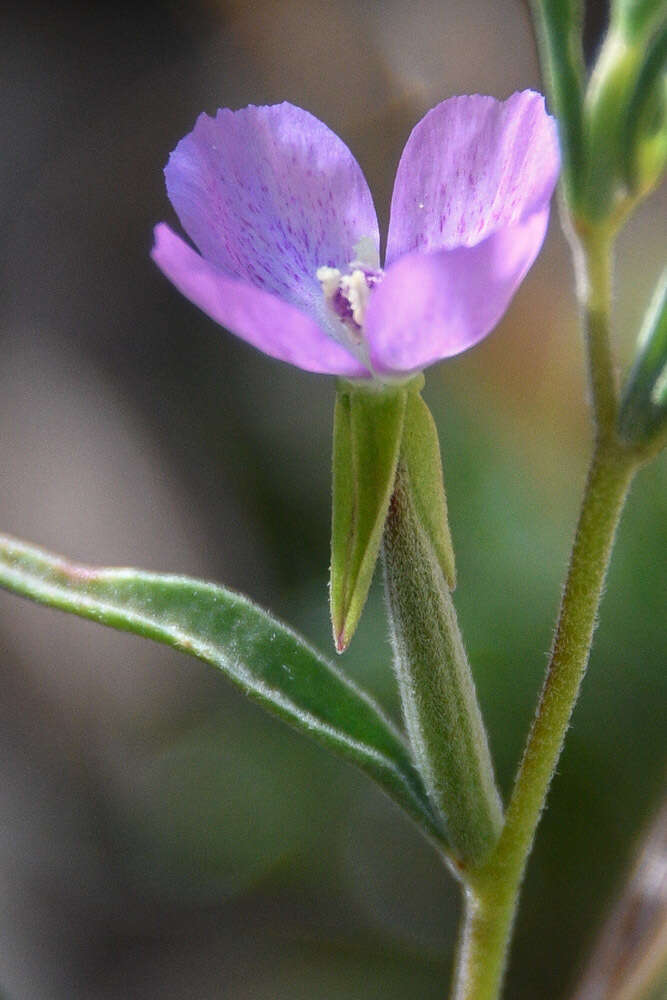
<point>435,305</point>
<point>472,167</point>
<point>268,195</point>
<point>258,317</point>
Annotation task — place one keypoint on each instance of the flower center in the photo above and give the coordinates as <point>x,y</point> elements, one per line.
<point>346,293</point>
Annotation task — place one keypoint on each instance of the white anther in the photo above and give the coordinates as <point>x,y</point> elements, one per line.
<point>356,291</point>
<point>329,278</point>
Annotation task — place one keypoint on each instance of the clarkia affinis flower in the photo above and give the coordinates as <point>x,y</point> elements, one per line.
<point>288,237</point>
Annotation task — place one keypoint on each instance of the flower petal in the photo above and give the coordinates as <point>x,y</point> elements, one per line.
<point>263,320</point>
<point>269,194</point>
<point>472,166</point>
<point>434,305</point>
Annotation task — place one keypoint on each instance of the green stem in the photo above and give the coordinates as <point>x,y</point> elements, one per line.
<point>492,890</point>
<point>593,261</point>
<point>492,894</point>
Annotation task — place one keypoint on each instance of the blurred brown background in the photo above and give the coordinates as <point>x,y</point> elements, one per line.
<point>159,837</point>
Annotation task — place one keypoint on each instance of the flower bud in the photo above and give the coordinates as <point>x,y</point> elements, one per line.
<point>625,113</point>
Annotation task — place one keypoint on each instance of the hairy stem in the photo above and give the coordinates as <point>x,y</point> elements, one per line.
<point>593,262</point>
<point>492,893</point>
<point>493,889</point>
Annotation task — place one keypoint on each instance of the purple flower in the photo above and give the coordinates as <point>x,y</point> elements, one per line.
<point>288,237</point>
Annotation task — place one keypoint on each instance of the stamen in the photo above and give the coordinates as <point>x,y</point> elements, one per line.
<point>329,278</point>
<point>355,289</point>
<point>347,294</point>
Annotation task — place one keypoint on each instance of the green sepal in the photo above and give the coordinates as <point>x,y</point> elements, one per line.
<point>643,411</point>
<point>268,661</point>
<point>420,454</point>
<point>368,428</point>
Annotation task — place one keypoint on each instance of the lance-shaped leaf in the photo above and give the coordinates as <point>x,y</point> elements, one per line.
<point>420,454</point>
<point>643,413</point>
<point>368,426</point>
<point>268,661</point>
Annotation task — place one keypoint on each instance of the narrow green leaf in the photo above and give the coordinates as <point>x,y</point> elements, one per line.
<point>420,454</point>
<point>264,658</point>
<point>643,412</point>
<point>368,426</point>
